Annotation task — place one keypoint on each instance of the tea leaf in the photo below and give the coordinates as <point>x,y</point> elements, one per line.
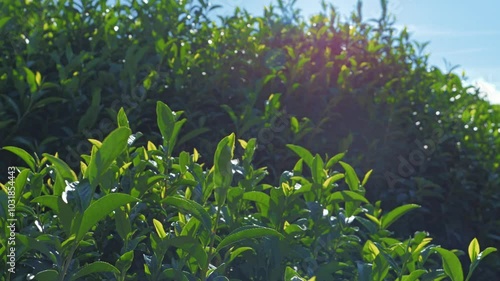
<point>27,158</point>
<point>245,233</point>
<point>473,249</point>
<point>302,153</point>
<point>191,207</point>
<point>451,264</point>
<point>346,196</point>
<point>351,178</point>
<point>98,266</point>
<point>112,146</point>
<point>100,209</point>
<point>395,214</point>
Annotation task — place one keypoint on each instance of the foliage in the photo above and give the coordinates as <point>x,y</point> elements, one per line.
<point>141,213</point>
<point>326,83</point>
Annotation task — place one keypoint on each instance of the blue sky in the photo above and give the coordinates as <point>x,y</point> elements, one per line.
<point>465,33</point>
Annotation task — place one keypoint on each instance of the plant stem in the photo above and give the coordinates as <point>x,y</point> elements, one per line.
<point>212,241</point>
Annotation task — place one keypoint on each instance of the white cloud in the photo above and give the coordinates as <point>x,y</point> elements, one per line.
<point>490,90</point>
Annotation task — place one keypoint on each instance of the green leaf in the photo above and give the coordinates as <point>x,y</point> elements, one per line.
<point>414,275</point>
<point>3,21</point>
<point>367,176</point>
<point>257,196</point>
<point>191,207</point>
<point>166,121</point>
<point>451,264</point>
<point>50,201</point>
<point>125,261</point>
<point>292,275</point>
<point>184,162</point>
<point>479,257</point>
<point>122,222</point>
<point>31,79</point>
<point>262,199</point>
<point>172,274</point>
<point>233,254</point>
<point>395,214</point>
<point>47,275</point>
<point>192,246</point>
<point>302,153</point>
<point>222,161</point>
<point>473,249</point>
<point>351,178</point>
<point>122,119</point>
<point>159,229</point>
<point>317,169</point>
<point>98,266</point>
<point>334,160</point>
<point>249,147</point>
<point>89,118</point>
<point>223,170</point>
<point>332,179</point>
<point>27,158</point>
<point>244,233</point>
<point>347,196</point>
<point>380,268</point>
<point>100,209</point>
<point>175,133</point>
<point>112,146</point>
<point>62,170</point>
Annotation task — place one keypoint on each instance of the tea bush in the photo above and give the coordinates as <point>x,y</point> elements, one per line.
<point>143,213</point>
<point>325,83</point>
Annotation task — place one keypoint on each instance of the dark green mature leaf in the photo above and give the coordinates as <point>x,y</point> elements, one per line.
<point>125,261</point>
<point>395,214</point>
<point>245,233</point>
<point>97,266</point>
<point>451,264</point>
<point>123,226</point>
<point>192,246</point>
<point>89,118</point>
<point>62,170</point>
<point>100,209</point>
<point>191,207</point>
<point>234,253</point>
<point>27,158</point>
<point>50,201</point>
<point>47,275</point>
<point>173,274</point>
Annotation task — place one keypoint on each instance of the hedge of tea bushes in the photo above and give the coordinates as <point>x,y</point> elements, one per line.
<point>325,83</point>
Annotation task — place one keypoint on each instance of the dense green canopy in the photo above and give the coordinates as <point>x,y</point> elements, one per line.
<point>358,86</point>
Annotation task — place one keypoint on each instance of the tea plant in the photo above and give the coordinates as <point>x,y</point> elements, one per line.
<point>143,213</point>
